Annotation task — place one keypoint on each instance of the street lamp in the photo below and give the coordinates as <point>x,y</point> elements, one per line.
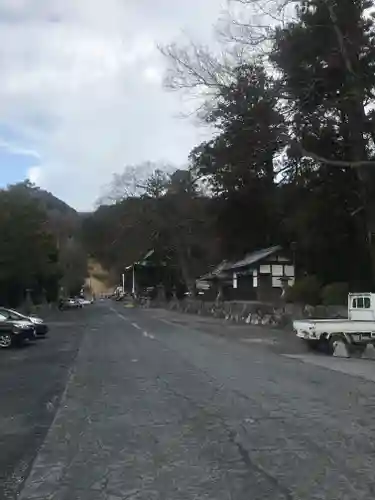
<point>293,247</point>
<point>132,267</point>
<point>133,281</point>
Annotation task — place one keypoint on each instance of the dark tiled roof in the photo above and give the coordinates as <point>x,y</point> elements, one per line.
<point>217,272</point>
<point>254,257</point>
<point>225,266</point>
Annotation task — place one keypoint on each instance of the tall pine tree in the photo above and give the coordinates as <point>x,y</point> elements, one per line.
<point>240,161</point>
<point>326,59</point>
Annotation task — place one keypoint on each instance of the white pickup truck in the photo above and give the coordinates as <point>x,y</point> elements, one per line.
<point>353,333</point>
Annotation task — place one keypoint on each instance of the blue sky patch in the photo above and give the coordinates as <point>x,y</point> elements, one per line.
<point>15,158</point>
<point>14,167</point>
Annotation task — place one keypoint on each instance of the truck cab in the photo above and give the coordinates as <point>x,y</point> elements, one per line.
<point>353,333</point>
<point>361,307</point>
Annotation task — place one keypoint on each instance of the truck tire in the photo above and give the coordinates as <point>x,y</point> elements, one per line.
<point>336,337</point>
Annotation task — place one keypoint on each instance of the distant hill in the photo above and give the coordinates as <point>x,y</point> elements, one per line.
<point>49,201</point>
<point>64,225</point>
<point>62,220</point>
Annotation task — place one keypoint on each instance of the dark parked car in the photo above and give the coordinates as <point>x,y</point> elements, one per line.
<point>15,332</point>
<point>41,329</point>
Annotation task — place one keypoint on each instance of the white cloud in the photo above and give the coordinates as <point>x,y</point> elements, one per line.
<point>34,174</point>
<point>81,84</point>
<point>18,150</point>
<point>153,74</point>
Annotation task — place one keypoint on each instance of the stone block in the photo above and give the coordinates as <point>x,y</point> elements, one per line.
<point>341,350</point>
<point>369,352</point>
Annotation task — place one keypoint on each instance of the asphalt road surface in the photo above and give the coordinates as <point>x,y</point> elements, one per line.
<point>161,408</point>
<point>32,380</point>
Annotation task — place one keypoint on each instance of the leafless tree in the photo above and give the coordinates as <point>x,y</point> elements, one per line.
<point>135,180</point>
<point>249,24</point>
<point>244,33</point>
<point>194,67</point>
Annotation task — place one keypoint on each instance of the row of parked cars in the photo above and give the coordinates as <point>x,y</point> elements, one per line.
<point>17,328</point>
<point>74,303</point>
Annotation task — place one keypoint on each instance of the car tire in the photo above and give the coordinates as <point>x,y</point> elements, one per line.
<point>5,340</point>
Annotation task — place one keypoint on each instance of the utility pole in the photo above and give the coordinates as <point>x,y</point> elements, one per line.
<point>133,285</point>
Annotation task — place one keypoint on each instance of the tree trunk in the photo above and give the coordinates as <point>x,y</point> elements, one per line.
<point>185,270</point>
<point>353,108</point>
<point>367,180</point>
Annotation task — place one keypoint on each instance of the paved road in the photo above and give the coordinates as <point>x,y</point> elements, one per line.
<point>155,410</point>
<point>32,380</point>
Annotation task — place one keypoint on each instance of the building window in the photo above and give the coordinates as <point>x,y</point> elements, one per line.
<point>265,269</point>
<point>276,282</point>
<point>289,271</point>
<point>277,270</point>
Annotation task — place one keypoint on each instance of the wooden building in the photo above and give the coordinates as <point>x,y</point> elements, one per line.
<point>261,275</point>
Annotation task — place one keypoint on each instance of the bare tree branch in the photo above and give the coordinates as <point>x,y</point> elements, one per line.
<point>133,181</point>
<point>337,163</point>
<point>251,23</point>
<point>200,71</point>
<point>192,66</point>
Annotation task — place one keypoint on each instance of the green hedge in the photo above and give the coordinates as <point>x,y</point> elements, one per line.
<point>304,291</point>
<point>335,294</point>
<point>308,290</point>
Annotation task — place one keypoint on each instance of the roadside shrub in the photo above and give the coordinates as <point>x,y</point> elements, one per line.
<point>304,291</point>
<point>335,294</point>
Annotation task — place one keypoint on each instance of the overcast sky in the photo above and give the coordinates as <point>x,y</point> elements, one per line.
<point>81,93</point>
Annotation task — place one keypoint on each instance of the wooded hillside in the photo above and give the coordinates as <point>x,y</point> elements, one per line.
<point>40,246</point>
<point>291,160</point>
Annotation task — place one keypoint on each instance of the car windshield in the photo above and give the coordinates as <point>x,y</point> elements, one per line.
<point>11,314</point>
<point>16,315</point>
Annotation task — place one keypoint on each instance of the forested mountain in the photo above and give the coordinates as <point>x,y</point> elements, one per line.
<point>47,200</point>
<point>40,245</point>
<point>291,160</point>
<point>171,216</point>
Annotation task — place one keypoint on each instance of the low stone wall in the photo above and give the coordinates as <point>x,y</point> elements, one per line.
<point>253,313</point>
